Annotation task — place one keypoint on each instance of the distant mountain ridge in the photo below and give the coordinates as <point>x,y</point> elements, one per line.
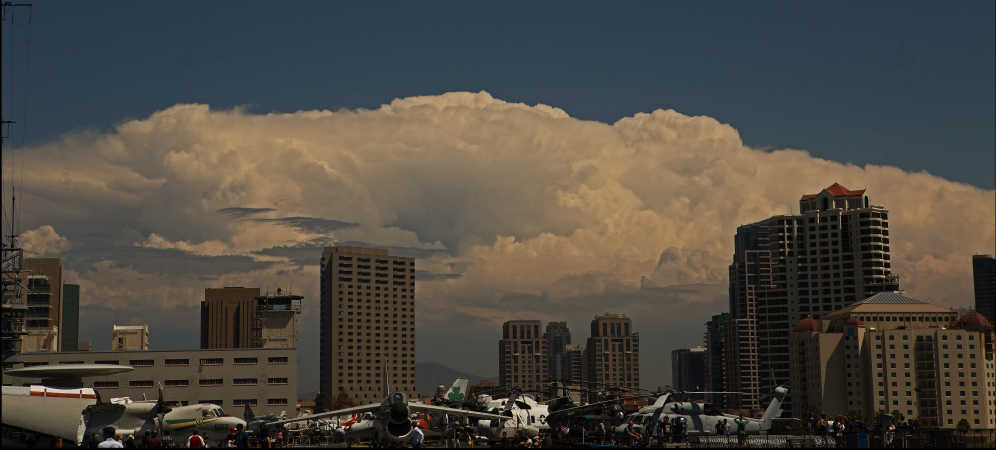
<point>429,375</point>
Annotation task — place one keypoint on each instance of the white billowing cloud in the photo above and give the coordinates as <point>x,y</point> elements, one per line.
<point>43,241</point>
<point>533,208</point>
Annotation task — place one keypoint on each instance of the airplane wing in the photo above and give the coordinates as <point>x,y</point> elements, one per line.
<point>433,409</point>
<point>338,412</point>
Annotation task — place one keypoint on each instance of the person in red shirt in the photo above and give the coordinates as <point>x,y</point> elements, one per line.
<point>195,441</point>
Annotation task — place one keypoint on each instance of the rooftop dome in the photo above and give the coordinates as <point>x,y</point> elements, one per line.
<point>808,324</point>
<point>972,320</point>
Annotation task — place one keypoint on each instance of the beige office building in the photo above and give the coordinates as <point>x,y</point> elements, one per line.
<point>43,320</point>
<point>613,354</point>
<point>367,323</point>
<point>894,354</point>
<point>129,338</point>
<point>522,356</point>
<point>265,379</point>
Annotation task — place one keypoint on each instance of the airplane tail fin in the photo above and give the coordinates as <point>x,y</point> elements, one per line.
<point>661,400</point>
<point>458,391</point>
<point>775,408</point>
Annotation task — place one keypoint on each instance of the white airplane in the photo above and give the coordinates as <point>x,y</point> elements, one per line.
<point>698,422</point>
<point>523,415</point>
<point>73,412</point>
<point>392,419</point>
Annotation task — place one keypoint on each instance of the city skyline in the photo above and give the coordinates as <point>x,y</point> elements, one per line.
<point>517,203</point>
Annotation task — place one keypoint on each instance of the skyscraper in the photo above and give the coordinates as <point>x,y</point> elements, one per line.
<point>984,276</point>
<point>44,299</point>
<point>367,324</point>
<point>227,316</point>
<point>688,368</point>
<point>70,333</point>
<point>613,354</point>
<point>716,345</point>
<point>522,356</point>
<point>557,337</point>
<point>835,252</point>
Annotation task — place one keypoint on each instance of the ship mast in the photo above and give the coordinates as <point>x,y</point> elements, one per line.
<point>11,256</point>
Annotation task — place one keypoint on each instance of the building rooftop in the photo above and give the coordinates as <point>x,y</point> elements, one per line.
<point>888,302</point>
<point>835,190</point>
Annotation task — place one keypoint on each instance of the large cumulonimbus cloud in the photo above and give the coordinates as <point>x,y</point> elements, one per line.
<point>513,210</point>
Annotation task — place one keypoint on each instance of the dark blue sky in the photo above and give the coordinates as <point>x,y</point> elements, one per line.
<point>905,83</point>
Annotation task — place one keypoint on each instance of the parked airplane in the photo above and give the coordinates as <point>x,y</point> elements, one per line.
<point>392,419</point>
<point>698,422</point>
<point>70,411</point>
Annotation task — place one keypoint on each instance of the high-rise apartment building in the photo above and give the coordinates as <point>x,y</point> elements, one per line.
<point>129,338</point>
<point>43,292</point>
<point>835,252</point>
<point>984,277</point>
<point>688,368</point>
<point>716,348</point>
<point>613,354</point>
<point>894,354</point>
<point>70,333</point>
<point>522,356</point>
<point>557,337</point>
<point>367,323</point>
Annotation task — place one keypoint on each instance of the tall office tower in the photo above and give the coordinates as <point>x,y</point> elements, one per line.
<point>557,338</point>
<point>70,334</point>
<point>227,317</point>
<point>750,273</point>
<point>129,338</point>
<point>367,324</point>
<point>613,354</point>
<point>522,356</point>
<point>688,368</point>
<point>575,364</point>
<point>984,271</point>
<point>44,299</point>
<point>835,252</point>
<point>716,344</point>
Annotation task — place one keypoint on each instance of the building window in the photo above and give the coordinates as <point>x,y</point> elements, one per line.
<point>212,361</point>
<point>278,360</point>
<point>276,401</point>
<point>177,362</point>
<point>244,361</point>
<point>140,383</point>
<point>276,381</point>
<point>211,382</point>
<point>243,381</point>
<point>105,384</point>
<point>107,362</point>
<point>244,402</point>
<point>177,383</point>
<point>142,363</point>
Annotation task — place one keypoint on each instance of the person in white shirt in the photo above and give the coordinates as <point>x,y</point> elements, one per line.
<point>109,441</point>
<point>418,437</point>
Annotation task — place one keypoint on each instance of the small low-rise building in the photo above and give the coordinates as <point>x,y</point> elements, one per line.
<point>265,379</point>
